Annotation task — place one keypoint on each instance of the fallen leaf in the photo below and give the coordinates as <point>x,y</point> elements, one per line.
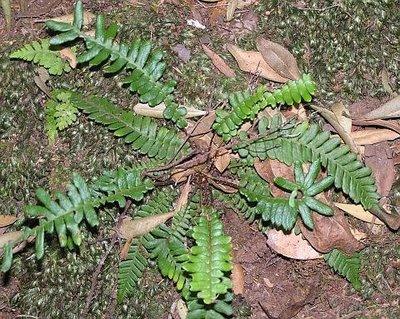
<point>373,136</point>
<point>182,52</point>
<point>359,235</point>
<point>218,62</point>
<point>253,62</point>
<point>69,55</point>
<point>342,115</point>
<point>203,125</point>
<point>181,309</point>
<point>230,9</point>
<point>125,249</point>
<point>7,220</point>
<point>390,109</point>
<point>359,212</point>
<point>221,162</point>
<point>158,110</point>
<point>180,175</point>
<point>40,79</point>
<point>10,237</point>
<point>279,59</point>
<point>88,18</point>
<point>331,118</point>
<point>237,277</point>
<point>390,124</point>
<point>379,157</point>
<point>291,245</point>
<point>132,228</point>
<point>330,233</point>
<point>184,196</point>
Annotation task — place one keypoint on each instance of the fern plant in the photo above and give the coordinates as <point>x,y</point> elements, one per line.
<point>191,248</point>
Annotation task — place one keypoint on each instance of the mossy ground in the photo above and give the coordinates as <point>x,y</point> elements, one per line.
<point>345,49</point>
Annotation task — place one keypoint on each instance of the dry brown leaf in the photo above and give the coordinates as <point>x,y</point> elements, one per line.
<point>331,232</point>
<point>359,212</point>
<point>373,136</point>
<point>10,237</point>
<point>131,228</point>
<point>331,118</point>
<point>379,157</point>
<point>218,62</point>
<point>291,245</point>
<point>253,62</point>
<point>230,9</point>
<point>203,125</point>
<point>7,220</point>
<point>157,111</point>
<point>180,175</point>
<point>279,59</point>
<point>342,115</point>
<point>88,18</point>
<point>221,162</point>
<point>184,196</point>
<point>40,79</point>
<point>125,249</point>
<point>237,277</point>
<point>69,55</point>
<point>389,110</point>
<point>359,235</point>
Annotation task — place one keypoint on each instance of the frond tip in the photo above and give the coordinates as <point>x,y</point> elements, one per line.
<point>209,259</point>
<point>42,54</point>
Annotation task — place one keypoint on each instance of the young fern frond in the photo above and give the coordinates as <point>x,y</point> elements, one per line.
<point>210,259</point>
<point>60,113</point>
<point>130,271</point>
<point>346,266</point>
<point>145,65</point>
<point>307,143</point>
<point>246,106</point>
<point>141,132</point>
<point>41,53</point>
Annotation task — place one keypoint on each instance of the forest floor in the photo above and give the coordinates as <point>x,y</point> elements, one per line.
<point>352,50</point>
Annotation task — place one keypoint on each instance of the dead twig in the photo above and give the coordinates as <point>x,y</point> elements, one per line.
<point>94,280</point>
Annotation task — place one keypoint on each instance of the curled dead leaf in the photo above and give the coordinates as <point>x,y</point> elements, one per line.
<point>372,136</point>
<point>218,62</point>
<point>291,245</point>
<point>7,220</point>
<point>330,233</point>
<point>279,59</point>
<point>69,55</point>
<point>359,212</point>
<point>253,62</point>
<point>132,228</point>
<point>222,161</point>
<point>390,109</point>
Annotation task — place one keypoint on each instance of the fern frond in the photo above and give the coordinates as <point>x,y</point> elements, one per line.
<point>310,143</point>
<point>220,309</point>
<point>41,53</point>
<point>144,64</point>
<point>346,266</point>
<point>252,186</point>
<point>209,259</point>
<point>141,132</point>
<point>130,271</point>
<point>245,106</point>
<point>60,113</point>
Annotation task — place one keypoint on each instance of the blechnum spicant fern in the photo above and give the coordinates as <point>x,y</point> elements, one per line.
<point>190,248</point>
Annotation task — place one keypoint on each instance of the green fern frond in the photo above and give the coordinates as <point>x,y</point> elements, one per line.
<point>246,106</point>
<point>309,143</point>
<point>252,186</point>
<point>209,259</point>
<point>144,64</point>
<point>60,113</point>
<point>140,131</point>
<point>278,212</point>
<point>346,266</point>
<point>220,309</point>
<point>130,271</point>
<point>41,53</point>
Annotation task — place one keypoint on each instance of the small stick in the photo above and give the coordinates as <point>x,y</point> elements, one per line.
<point>100,265</point>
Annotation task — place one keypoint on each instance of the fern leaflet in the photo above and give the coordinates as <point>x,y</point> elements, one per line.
<point>41,53</point>
<point>346,266</point>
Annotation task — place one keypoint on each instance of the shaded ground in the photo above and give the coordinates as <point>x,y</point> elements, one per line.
<point>344,48</point>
